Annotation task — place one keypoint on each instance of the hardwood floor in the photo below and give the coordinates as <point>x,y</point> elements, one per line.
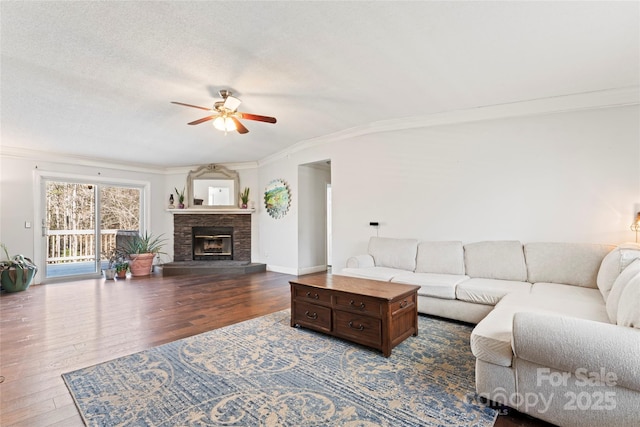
<point>57,328</point>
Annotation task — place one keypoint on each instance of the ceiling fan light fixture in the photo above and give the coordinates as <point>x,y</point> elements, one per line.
<point>232,103</point>
<point>224,124</point>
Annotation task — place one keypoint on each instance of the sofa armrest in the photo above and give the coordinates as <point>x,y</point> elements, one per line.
<point>360,261</point>
<point>579,346</point>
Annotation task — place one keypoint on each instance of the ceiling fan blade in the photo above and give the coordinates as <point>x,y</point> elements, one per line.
<point>239,126</point>
<point>189,105</point>
<point>202,120</point>
<point>257,117</point>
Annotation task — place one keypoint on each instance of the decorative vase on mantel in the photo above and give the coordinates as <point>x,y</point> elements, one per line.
<point>180,195</point>
<point>244,197</point>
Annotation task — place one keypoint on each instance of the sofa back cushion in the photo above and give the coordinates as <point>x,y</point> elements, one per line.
<point>632,272</point>
<point>613,264</point>
<point>574,264</point>
<point>440,257</point>
<point>495,260</point>
<point>394,253</point>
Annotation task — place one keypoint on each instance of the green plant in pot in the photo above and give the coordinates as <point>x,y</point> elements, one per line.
<point>17,273</point>
<point>244,197</point>
<point>121,267</point>
<point>141,250</point>
<point>110,271</point>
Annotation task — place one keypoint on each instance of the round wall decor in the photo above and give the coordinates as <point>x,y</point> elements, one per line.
<point>277,198</point>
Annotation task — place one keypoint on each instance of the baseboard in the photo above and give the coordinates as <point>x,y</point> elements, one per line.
<point>310,270</point>
<point>284,270</point>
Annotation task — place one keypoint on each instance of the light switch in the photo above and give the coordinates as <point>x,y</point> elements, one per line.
<point>27,224</point>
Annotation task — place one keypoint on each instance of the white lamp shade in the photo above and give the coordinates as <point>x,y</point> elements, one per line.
<point>224,124</point>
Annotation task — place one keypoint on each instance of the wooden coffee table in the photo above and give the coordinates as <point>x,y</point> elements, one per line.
<point>369,312</point>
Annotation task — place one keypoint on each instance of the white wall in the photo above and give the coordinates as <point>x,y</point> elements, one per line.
<point>312,217</point>
<point>558,177</point>
<point>279,237</point>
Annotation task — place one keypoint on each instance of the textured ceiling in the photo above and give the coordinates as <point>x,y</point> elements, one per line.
<point>95,79</point>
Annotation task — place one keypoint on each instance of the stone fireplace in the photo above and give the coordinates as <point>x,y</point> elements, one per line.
<point>211,237</point>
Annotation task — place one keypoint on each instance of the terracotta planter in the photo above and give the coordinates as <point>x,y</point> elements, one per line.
<point>140,264</point>
<point>122,274</point>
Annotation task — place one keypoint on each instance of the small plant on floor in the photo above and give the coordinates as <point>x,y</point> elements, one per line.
<point>121,267</point>
<point>110,271</point>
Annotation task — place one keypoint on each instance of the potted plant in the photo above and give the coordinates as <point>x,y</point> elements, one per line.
<point>180,195</point>
<point>244,197</point>
<point>121,267</point>
<point>17,273</point>
<point>141,250</point>
<point>110,271</point>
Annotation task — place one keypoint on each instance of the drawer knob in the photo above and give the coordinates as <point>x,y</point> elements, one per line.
<point>404,303</point>
<point>314,296</point>
<point>312,316</point>
<point>359,327</point>
<point>352,303</point>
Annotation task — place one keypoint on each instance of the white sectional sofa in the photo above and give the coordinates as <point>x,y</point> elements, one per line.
<point>558,324</point>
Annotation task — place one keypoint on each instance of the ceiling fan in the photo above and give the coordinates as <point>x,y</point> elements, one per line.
<point>226,117</point>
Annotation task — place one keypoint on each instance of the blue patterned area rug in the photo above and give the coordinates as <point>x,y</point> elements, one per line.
<point>263,372</point>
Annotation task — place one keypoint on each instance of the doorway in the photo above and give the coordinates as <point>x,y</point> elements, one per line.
<point>81,222</point>
<point>314,217</point>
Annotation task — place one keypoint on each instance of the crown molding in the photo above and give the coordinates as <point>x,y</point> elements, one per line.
<point>70,159</point>
<point>607,98</point>
<point>75,160</point>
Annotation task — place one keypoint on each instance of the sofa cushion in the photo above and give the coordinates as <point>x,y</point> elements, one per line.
<point>629,305</point>
<point>384,274</point>
<point>569,263</point>
<point>613,264</point>
<point>432,284</point>
<point>488,291</point>
<point>495,260</point>
<point>619,284</point>
<point>394,253</point>
<point>568,300</point>
<point>440,257</point>
<point>491,338</point>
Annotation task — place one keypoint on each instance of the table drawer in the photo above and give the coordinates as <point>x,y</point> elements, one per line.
<point>310,294</point>
<point>403,303</point>
<point>359,303</point>
<point>361,329</point>
<point>312,316</point>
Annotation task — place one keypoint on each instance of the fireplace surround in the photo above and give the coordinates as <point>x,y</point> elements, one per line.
<point>236,226</point>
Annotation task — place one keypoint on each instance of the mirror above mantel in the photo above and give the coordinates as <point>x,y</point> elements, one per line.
<point>212,186</point>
